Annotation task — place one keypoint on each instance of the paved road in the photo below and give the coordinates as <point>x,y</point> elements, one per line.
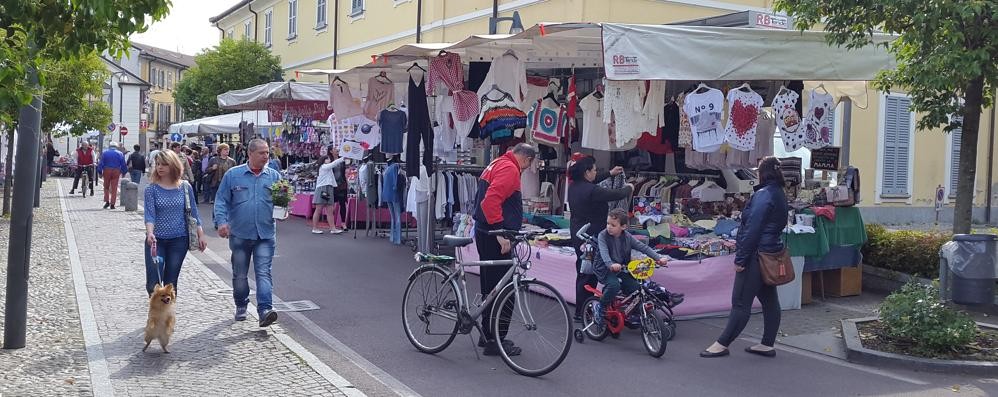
<point>358,284</point>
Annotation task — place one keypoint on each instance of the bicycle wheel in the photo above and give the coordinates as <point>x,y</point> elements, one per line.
<point>593,331</point>
<point>653,333</point>
<point>540,325</point>
<point>429,310</point>
<point>86,182</point>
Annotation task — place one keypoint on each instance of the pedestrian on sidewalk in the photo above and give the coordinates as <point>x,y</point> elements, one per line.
<point>85,158</point>
<point>136,164</point>
<point>761,230</point>
<point>166,200</point>
<point>244,214</point>
<point>217,168</point>
<point>340,192</point>
<point>112,167</point>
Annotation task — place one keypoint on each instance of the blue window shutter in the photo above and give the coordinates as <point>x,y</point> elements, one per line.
<point>897,146</point>
<point>904,145</point>
<point>957,137</point>
<point>890,146</point>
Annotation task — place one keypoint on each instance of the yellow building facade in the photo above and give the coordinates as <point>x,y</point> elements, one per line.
<point>163,70</point>
<point>901,167</point>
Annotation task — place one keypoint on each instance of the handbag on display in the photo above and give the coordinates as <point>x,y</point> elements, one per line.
<point>841,196</point>
<point>193,241</point>
<point>777,269</point>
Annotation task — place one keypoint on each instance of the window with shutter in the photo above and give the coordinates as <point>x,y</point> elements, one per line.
<point>292,19</point>
<point>956,137</point>
<point>356,7</point>
<point>897,146</point>
<point>268,27</point>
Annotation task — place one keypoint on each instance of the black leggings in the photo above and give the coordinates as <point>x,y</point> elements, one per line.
<point>581,281</point>
<point>340,197</point>
<point>489,249</point>
<point>748,286</point>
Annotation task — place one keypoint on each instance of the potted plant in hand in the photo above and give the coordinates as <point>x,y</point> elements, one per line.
<point>281,194</point>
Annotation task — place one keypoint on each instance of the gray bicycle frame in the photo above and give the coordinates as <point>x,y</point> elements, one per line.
<point>511,274</point>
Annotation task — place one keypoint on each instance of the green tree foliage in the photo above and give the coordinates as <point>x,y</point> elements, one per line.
<point>73,95</point>
<point>947,55</point>
<point>231,65</point>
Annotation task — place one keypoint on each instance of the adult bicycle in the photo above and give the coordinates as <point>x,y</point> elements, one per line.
<point>436,308</point>
<point>85,178</point>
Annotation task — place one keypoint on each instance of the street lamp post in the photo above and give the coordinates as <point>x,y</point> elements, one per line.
<point>122,77</point>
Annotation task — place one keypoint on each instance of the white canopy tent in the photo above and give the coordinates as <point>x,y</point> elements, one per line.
<point>258,97</point>
<point>222,124</point>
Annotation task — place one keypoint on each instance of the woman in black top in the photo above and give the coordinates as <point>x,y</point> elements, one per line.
<point>761,230</point>
<point>588,203</point>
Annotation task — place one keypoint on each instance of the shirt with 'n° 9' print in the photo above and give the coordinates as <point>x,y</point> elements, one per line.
<point>704,110</point>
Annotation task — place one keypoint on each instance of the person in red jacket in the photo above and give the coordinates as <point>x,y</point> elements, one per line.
<point>500,206</point>
<point>85,161</point>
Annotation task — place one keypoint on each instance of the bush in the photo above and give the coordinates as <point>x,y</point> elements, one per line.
<point>915,315</point>
<point>911,252</point>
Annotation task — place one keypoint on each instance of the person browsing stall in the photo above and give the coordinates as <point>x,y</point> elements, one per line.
<point>500,206</point>
<point>588,202</point>
<point>615,245</point>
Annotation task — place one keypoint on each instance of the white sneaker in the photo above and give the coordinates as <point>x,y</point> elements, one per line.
<point>336,231</point>
<point>316,231</point>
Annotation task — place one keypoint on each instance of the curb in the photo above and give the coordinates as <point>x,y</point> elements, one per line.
<point>856,353</point>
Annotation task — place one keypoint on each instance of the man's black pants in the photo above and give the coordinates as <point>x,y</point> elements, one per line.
<point>489,249</point>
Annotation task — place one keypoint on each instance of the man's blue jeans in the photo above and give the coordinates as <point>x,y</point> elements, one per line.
<point>173,251</point>
<point>262,254</point>
<point>136,175</point>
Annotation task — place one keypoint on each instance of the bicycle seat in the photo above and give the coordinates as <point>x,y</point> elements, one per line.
<point>455,241</point>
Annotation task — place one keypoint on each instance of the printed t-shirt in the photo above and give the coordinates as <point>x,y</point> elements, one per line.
<point>743,117</point>
<point>704,110</point>
<point>788,121</point>
<point>366,132</point>
<point>818,123</point>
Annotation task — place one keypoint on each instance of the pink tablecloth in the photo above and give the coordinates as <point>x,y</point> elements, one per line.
<point>302,206</point>
<point>707,284</point>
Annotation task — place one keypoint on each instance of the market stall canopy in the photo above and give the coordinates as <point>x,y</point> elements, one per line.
<point>221,124</point>
<point>668,52</point>
<point>280,98</point>
<point>258,97</point>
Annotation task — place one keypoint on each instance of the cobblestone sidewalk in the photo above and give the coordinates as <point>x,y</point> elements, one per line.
<point>210,353</point>
<point>54,360</point>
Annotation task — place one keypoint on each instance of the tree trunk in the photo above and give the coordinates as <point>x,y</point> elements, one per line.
<point>8,179</point>
<point>963,212</point>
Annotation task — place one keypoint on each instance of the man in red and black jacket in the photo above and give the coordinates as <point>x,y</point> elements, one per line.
<point>85,161</point>
<point>499,207</point>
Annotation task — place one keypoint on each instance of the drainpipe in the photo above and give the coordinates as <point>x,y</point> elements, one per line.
<point>336,31</point>
<point>419,20</point>
<point>256,19</point>
<point>493,26</point>
<point>220,30</point>
<point>991,163</point>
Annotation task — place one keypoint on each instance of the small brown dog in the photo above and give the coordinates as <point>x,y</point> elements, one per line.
<point>162,316</point>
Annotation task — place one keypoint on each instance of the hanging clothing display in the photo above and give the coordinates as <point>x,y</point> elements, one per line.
<point>380,93</point>
<point>537,88</point>
<point>622,105</point>
<point>595,132</point>
<point>509,73</point>
<point>743,117</point>
<point>393,125</point>
<point>685,129</point>
<point>454,128</point>
<point>366,132</point>
<point>548,122</point>
<point>616,182</point>
<point>704,110</point>
<point>445,68</point>
<point>340,130</point>
<point>788,120</point>
<point>819,122</point>
<point>500,117</point>
<point>352,150</point>
<point>763,141</point>
<point>420,129</point>
<point>341,100</point>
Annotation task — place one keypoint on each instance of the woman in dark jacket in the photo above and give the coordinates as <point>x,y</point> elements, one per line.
<point>588,203</point>
<point>761,230</point>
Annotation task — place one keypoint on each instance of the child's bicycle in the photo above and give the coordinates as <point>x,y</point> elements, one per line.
<point>650,304</point>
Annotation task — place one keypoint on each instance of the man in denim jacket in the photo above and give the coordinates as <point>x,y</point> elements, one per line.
<point>244,214</point>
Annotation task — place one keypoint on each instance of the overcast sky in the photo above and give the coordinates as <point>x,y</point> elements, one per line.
<point>186,29</point>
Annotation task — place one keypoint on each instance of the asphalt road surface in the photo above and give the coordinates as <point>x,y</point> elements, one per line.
<point>358,284</point>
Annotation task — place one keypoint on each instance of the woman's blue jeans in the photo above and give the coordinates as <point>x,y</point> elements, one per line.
<point>395,211</point>
<point>173,251</point>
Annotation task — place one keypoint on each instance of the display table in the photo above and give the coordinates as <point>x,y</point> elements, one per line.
<point>707,284</point>
<point>356,211</point>
<point>833,250</point>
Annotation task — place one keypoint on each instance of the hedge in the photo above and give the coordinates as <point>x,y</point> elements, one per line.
<point>906,251</point>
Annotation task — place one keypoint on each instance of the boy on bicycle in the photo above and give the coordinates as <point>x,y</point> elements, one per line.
<point>615,245</point>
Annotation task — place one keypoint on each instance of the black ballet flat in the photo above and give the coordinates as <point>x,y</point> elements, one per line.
<point>707,354</point>
<point>764,353</point>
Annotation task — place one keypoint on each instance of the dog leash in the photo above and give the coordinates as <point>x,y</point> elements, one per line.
<point>156,261</point>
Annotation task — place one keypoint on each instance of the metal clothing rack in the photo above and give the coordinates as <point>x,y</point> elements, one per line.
<point>680,174</point>
<point>427,239</point>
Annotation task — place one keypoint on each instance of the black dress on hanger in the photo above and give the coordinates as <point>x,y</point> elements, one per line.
<point>419,129</point>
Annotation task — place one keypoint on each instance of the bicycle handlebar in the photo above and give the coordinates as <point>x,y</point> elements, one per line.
<point>581,234</point>
<point>517,234</point>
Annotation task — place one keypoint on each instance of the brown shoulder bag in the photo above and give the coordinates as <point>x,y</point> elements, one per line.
<point>777,269</point>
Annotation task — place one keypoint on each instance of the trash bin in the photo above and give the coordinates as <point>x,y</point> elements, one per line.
<point>130,196</point>
<point>968,268</point>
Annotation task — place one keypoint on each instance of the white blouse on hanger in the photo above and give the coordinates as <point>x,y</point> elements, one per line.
<point>509,72</point>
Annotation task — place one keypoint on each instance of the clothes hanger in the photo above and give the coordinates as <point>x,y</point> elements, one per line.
<point>822,87</point>
<point>337,78</point>
<point>745,87</point>
<point>384,76</point>
<point>415,65</point>
<point>700,87</point>
<point>511,53</point>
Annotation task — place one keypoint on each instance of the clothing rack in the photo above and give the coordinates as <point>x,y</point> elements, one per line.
<point>430,236</point>
<point>679,174</point>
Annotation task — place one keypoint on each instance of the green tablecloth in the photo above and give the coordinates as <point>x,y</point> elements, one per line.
<point>847,229</point>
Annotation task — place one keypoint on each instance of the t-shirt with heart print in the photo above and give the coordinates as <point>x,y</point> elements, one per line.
<point>743,118</point>
<point>818,123</point>
<point>704,110</point>
<point>788,120</point>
